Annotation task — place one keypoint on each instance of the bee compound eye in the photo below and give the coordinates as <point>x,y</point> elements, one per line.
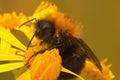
<point>45,26</point>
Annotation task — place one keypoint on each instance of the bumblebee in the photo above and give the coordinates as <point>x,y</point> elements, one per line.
<point>61,32</point>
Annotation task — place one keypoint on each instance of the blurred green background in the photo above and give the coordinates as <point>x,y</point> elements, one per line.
<point>100,19</point>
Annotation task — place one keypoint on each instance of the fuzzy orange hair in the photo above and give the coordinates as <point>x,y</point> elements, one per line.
<point>65,23</point>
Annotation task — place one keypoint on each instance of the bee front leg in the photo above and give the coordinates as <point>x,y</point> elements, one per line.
<point>42,51</point>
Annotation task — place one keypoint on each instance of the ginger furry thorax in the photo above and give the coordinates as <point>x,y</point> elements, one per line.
<point>65,23</point>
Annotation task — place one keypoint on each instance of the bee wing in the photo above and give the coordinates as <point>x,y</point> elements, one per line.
<point>89,53</point>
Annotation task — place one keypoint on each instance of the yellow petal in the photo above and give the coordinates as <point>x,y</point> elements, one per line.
<point>25,76</point>
<point>8,37</point>
<point>15,51</point>
<point>13,54</point>
<point>42,6</point>
<point>70,72</point>
<point>44,9</point>
<point>10,66</point>
<point>4,46</point>
<point>9,57</point>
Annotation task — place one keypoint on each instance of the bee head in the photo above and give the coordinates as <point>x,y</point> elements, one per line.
<point>44,30</point>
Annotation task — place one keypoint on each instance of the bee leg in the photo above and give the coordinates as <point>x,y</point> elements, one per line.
<point>42,51</point>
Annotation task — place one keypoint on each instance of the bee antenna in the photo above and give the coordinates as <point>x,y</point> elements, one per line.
<point>32,38</point>
<point>27,22</point>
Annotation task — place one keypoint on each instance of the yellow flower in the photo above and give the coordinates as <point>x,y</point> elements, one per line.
<point>90,72</point>
<point>10,20</point>
<point>46,66</point>
<point>49,62</point>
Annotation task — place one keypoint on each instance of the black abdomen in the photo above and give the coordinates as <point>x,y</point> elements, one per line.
<point>73,57</point>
